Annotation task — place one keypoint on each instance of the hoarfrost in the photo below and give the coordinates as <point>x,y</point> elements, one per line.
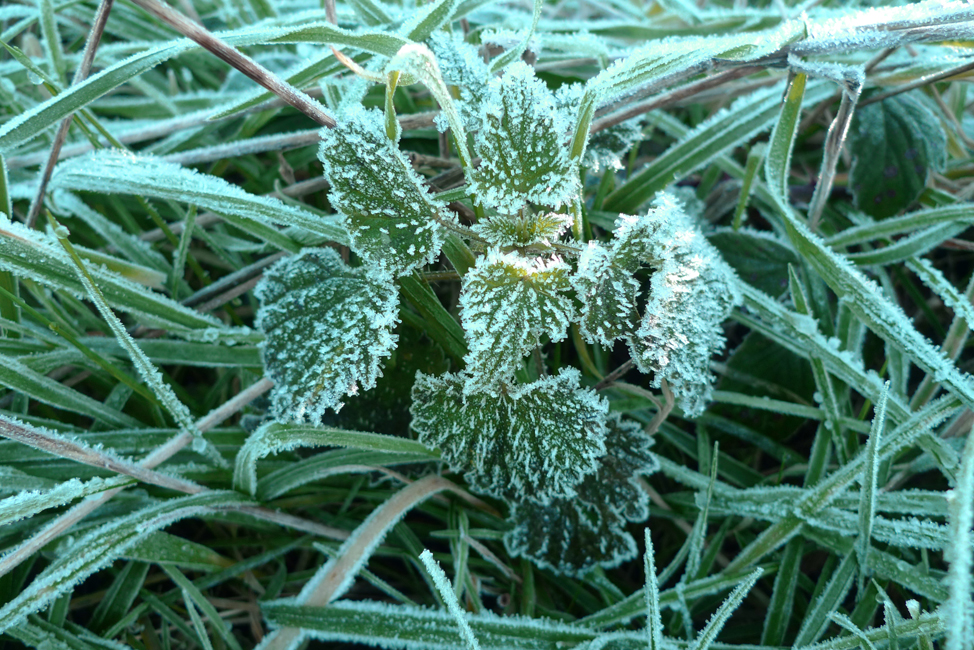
<point>573,535</point>
<point>536,441</point>
<point>328,327</point>
<point>392,220</point>
<point>523,146</point>
<point>507,303</point>
<point>523,229</point>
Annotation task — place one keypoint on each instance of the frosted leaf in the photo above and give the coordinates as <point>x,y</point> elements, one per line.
<point>608,293</point>
<point>461,65</point>
<point>690,296</point>
<point>328,327</point>
<point>523,229</point>
<point>606,148</point>
<point>691,293</point>
<point>523,146</point>
<point>535,441</point>
<point>386,209</point>
<point>508,302</point>
<point>571,536</point>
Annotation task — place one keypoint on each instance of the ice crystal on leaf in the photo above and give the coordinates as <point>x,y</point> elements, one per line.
<point>523,145</point>
<point>328,327</point>
<point>391,218</point>
<point>535,441</point>
<point>691,292</point>
<point>515,231</point>
<point>573,535</point>
<point>606,148</point>
<point>507,303</point>
<point>608,293</point>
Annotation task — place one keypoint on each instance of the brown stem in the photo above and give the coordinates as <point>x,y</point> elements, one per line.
<point>237,60</point>
<point>91,46</point>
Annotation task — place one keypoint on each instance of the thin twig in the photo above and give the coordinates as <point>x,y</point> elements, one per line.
<point>615,374</point>
<point>237,60</point>
<point>91,46</point>
<point>672,97</point>
<point>919,83</point>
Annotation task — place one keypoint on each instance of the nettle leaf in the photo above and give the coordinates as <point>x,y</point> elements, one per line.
<point>606,283</point>
<point>608,292</point>
<point>606,148</point>
<point>691,292</point>
<point>690,296</point>
<point>328,326</point>
<point>507,303</point>
<point>895,144</point>
<point>535,441</point>
<point>572,536</point>
<point>461,65</point>
<point>515,231</point>
<point>391,218</point>
<point>522,144</point>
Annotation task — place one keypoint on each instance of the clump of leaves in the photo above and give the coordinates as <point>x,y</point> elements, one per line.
<point>501,266</point>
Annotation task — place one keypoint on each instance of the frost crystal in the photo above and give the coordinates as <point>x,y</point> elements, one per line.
<point>391,218</point>
<point>507,303</point>
<point>328,327</point>
<point>573,535</point>
<point>523,146</point>
<point>536,441</point>
<point>691,292</point>
<point>523,229</point>
<point>606,148</point>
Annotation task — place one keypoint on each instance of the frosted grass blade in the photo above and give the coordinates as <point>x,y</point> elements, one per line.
<point>709,633</point>
<point>959,609</point>
<point>35,255</point>
<point>101,546</point>
<point>111,172</point>
<point>868,484</point>
<point>726,129</point>
<point>28,503</point>
<point>275,438</point>
<point>16,376</point>
<point>446,591</point>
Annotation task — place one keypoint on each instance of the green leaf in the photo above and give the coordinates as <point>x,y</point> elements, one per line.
<point>523,229</point>
<point>522,146</point>
<point>691,293</point>
<point>392,220</point>
<point>608,291</point>
<point>508,302</point>
<point>573,535</point>
<point>895,144</point>
<point>328,326</point>
<point>759,258</point>
<point>165,549</point>
<point>274,437</point>
<point>535,441</point>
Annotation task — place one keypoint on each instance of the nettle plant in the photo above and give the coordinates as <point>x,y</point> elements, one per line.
<point>544,443</point>
<point>493,291</point>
